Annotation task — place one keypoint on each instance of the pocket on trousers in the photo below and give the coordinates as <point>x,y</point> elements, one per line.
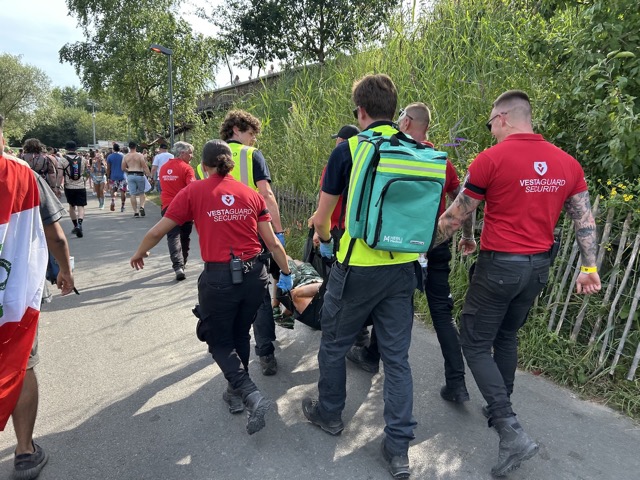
<point>503,279</point>
<point>543,278</point>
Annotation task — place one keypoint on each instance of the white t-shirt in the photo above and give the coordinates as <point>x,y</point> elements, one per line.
<point>160,159</point>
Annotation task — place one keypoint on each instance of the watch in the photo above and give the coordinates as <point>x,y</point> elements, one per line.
<point>325,241</point>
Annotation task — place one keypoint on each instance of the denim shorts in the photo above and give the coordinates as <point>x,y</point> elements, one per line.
<point>136,184</point>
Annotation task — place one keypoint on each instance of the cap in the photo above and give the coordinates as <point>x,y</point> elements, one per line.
<point>346,132</point>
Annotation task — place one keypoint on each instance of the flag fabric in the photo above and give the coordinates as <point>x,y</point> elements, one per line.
<point>23,262</point>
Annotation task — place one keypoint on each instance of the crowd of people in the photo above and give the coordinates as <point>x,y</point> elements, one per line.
<point>229,200</point>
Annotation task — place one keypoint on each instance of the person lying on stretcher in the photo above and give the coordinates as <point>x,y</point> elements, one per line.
<point>304,300</point>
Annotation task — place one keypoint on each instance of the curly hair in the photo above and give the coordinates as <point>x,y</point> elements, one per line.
<point>33,145</point>
<point>241,119</point>
<point>217,154</point>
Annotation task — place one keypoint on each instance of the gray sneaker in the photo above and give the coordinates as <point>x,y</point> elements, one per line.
<point>28,465</point>
<point>180,275</point>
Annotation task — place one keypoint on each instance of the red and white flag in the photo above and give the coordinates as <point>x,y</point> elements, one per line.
<point>23,263</point>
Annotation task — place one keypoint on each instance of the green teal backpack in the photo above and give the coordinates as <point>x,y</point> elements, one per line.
<point>395,190</point>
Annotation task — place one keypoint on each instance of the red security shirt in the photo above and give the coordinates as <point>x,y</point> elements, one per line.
<point>174,175</point>
<point>524,181</point>
<point>451,182</point>
<point>226,215</point>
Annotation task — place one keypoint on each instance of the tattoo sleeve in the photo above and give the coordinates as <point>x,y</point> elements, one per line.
<point>456,216</point>
<point>578,207</point>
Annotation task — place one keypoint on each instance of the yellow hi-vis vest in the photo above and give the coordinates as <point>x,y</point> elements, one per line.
<point>243,159</point>
<point>361,254</point>
<point>199,172</point>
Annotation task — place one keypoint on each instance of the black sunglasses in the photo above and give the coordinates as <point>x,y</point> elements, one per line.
<point>355,112</point>
<point>488,124</point>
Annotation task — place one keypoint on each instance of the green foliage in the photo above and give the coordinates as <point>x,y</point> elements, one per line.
<point>115,57</point>
<point>592,105</point>
<point>22,88</point>
<point>256,32</point>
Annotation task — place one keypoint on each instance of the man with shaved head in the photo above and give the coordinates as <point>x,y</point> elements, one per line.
<point>525,183</point>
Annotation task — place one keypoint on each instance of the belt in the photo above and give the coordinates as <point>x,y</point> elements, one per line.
<point>140,174</point>
<point>220,266</point>
<point>513,257</point>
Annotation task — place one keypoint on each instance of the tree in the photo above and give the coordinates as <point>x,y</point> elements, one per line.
<point>115,57</point>
<point>22,88</point>
<point>298,31</point>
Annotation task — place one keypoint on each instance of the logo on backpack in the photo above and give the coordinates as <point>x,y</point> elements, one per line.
<point>394,192</point>
<point>74,169</point>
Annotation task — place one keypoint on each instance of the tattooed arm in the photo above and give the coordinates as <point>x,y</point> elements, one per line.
<point>578,207</point>
<point>467,243</point>
<point>457,215</point>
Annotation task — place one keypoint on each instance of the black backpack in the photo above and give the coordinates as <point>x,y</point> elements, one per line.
<point>74,169</point>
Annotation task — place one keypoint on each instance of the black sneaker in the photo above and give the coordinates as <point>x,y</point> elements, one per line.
<point>142,212</point>
<point>79,233</point>
<point>234,400</point>
<point>398,465</point>
<point>455,394</point>
<point>28,465</point>
<point>136,215</point>
<point>310,410</point>
<point>362,359</point>
<point>74,231</point>
<point>269,365</point>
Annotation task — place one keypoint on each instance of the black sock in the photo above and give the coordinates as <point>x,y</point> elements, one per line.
<point>75,223</point>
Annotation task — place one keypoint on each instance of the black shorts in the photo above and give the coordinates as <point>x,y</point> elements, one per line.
<point>76,197</point>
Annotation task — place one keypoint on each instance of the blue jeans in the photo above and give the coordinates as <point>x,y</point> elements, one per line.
<point>386,294</point>
<point>497,304</point>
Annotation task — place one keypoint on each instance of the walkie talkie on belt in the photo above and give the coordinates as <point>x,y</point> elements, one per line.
<point>236,267</point>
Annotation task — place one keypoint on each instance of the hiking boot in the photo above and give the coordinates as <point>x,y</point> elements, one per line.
<point>362,359</point>
<point>142,212</point>
<point>180,274</point>
<point>234,399</point>
<point>455,394</point>
<point>28,465</point>
<point>398,465</point>
<point>257,408</point>
<point>269,365</point>
<point>515,446</point>
<point>79,233</point>
<point>310,410</point>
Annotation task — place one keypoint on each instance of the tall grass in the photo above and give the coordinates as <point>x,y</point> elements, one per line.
<point>457,58</point>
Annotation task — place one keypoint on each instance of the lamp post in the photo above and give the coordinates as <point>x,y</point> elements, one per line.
<point>168,52</point>
<point>93,116</point>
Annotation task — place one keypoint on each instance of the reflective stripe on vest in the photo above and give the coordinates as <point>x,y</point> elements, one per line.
<point>243,170</point>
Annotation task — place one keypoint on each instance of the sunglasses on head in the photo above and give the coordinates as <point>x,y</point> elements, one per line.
<point>403,114</point>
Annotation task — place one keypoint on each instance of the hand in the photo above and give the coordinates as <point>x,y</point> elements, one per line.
<point>285,283</point>
<point>310,221</point>
<point>326,249</point>
<point>65,283</point>
<point>137,261</point>
<point>316,240</point>
<point>280,236</point>
<point>467,247</point>
<point>588,283</point>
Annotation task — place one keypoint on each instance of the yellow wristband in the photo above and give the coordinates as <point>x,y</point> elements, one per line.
<point>588,270</point>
